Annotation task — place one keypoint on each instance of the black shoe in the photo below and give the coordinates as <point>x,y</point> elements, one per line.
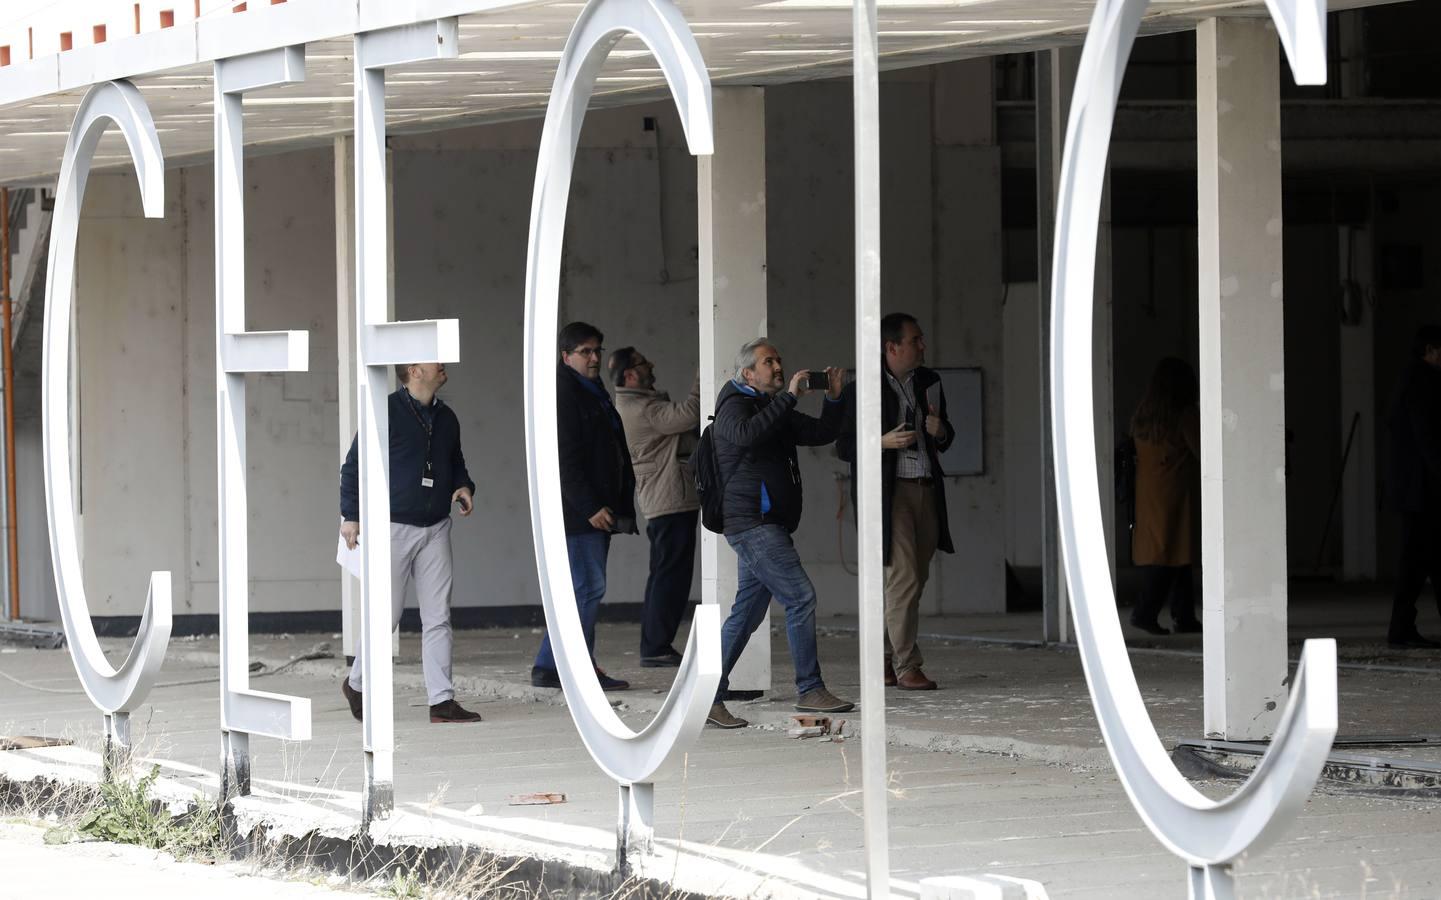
<point>610,684</point>
<point>354,698</point>
<point>1150,627</point>
<point>450,711</point>
<point>667,660</point>
<point>1413,641</point>
<point>1191,627</point>
<point>545,678</point>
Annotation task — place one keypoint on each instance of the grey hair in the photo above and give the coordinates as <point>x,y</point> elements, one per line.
<point>746,355</point>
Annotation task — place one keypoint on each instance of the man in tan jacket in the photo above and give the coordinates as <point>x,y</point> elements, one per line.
<point>661,435</point>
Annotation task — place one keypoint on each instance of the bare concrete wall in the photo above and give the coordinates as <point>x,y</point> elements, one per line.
<point>461,208</point>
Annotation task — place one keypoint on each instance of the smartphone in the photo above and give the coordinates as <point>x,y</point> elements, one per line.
<point>818,380</point>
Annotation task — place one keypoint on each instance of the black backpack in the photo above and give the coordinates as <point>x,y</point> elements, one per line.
<point>710,485</point>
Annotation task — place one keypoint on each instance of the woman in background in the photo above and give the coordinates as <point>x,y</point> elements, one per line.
<point>1167,430</point>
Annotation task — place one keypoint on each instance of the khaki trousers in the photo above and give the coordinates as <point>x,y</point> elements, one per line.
<point>914,532</point>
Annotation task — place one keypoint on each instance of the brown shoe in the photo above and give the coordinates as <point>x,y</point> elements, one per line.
<point>450,711</point>
<point>354,698</point>
<point>890,674</point>
<point>821,700</point>
<point>915,680</point>
<point>721,717</point>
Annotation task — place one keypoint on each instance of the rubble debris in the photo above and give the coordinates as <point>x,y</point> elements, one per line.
<point>541,799</point>
<point>809,726</point>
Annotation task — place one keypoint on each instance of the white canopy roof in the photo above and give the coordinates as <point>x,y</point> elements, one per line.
<point>508,53</point>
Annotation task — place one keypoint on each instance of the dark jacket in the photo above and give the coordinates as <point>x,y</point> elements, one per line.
<point>595,468</point>
<point>756,436</point>
<point>890,416</point>
<point>1415,427</point>
<point>410,503</point>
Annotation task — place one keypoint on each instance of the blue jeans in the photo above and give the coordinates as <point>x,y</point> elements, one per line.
<point>587,554</point>
<point>767,565</point>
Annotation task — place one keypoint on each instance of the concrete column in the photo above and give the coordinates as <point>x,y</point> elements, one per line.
<point>1243,412</point>
<point>1358,405</point>
<point>1055,82</point>
<point>731,200</point>
<point>345,345</point>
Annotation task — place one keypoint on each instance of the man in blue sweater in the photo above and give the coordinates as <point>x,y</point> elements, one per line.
<point>427,475</point>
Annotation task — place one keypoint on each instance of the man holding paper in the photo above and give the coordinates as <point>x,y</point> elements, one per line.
<point>427,475</point>
<point>914,434</point>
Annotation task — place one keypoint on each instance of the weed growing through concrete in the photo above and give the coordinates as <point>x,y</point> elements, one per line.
<point>128,814</point>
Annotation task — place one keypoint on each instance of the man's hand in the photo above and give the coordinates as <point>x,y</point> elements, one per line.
<point>603,520</point>
<point>462,496</point>
<point>837,377</point>
<point>351,532</point>
<point>935,426</point>
<point>898,438</point>
<point>798,383</point>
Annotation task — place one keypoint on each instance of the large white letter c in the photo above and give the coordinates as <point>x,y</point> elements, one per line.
<point>112,690</point>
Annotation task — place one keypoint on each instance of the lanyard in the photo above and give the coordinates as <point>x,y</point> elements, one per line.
<point>428,428</point>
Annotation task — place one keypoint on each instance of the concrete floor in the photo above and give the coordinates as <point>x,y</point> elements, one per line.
<point>1002,771</point>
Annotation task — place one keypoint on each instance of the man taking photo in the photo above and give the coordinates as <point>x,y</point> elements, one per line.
<point>756,432</point>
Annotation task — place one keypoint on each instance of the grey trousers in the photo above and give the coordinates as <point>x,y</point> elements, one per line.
<point>422,556</point>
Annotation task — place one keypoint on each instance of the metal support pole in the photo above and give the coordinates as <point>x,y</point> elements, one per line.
<point>115,759</point>
<point>1211,883</point>
<point>866,86</point>
<point>635,831</point>
<point>235,764</point>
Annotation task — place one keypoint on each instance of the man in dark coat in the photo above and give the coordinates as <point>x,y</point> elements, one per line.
<point>427,475</point>
<point>597,486</point>
<point>915,432</point>
<point>756,432</point>
<point>1415,427</point>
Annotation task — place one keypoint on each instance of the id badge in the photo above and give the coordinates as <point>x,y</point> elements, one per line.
<point>427,482</point>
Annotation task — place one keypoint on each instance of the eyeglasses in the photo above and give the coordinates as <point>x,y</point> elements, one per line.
<point>596,352</point>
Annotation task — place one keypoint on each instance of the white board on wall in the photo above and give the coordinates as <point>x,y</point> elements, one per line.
<point>966,411</point>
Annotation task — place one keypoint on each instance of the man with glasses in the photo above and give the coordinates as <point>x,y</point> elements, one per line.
<point>597,486</point>
<point>914,524</point>
<point>661,435</point>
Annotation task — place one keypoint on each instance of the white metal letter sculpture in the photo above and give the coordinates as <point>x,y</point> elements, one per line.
<point>1209,835</point>
<point>379,344</point>
<point>633,759</point>
<point>243,711</point>
<point>115,691</point>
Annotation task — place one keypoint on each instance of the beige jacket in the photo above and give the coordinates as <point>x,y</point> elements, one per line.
<point>660,433</point>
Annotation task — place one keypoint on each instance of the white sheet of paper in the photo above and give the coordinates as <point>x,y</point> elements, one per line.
<point>346,558</point>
